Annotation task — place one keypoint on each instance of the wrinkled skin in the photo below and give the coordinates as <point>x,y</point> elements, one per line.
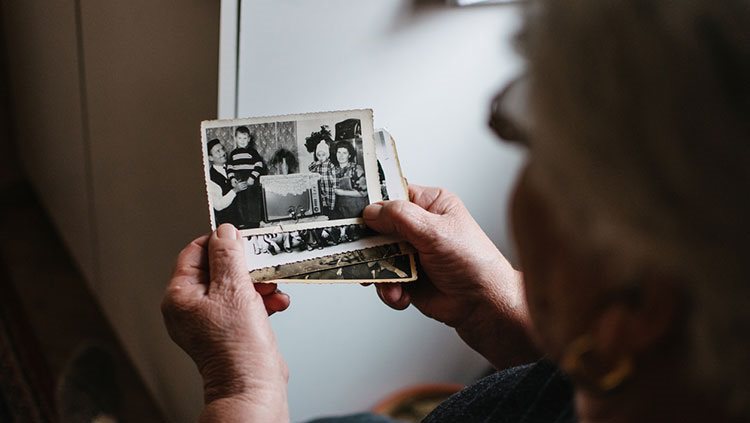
<point>215,313</point>
<point>465,282</point>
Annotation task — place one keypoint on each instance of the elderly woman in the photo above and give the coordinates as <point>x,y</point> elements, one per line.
<point>630,218</point>
<point>351,186</point>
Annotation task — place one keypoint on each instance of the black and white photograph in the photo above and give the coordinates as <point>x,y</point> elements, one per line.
<point>276,174</point>
<point>272,246</point>
<point>389,168</point>
<point>306,239</point>
<point>280,254</point>
<point>278,249</point>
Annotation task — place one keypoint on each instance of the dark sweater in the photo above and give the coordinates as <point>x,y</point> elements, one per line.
<point>534,393</point>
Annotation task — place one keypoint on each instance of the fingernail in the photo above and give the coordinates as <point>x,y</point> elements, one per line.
<point>404,295</point>
<point>372,211</point>
<point>380,293</point>
<point>227,231</point>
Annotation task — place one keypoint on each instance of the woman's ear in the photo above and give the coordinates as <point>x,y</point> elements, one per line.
<point>647,314</point>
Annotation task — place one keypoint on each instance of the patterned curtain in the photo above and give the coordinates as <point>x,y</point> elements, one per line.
<point>269,137</point>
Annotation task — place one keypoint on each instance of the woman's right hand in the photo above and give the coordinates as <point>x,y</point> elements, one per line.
<point>465,282</point>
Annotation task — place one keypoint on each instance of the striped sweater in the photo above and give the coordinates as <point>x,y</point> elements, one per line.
<point>245,163</point>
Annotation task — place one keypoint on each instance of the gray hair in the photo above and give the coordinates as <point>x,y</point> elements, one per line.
<point>642,143</point>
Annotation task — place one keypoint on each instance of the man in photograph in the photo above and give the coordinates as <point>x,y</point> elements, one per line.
<point>222,193</point>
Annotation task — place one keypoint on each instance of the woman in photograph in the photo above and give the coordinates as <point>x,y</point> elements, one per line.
<point>351,185</point>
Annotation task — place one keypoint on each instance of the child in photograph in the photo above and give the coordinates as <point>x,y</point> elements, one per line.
<point>351,185</point>
<point>323,166</point>
<point>246,166</point>
<point>221,192</point>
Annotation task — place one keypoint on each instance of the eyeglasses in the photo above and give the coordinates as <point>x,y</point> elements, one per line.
<point>509,113</point>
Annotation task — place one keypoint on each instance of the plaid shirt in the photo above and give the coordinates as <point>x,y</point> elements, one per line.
<point>327,181</point>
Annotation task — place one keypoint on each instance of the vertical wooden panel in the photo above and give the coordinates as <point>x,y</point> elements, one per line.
<point>152,76</point>
<point>45,97</point>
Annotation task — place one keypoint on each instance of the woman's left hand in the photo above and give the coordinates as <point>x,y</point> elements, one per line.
<point>215,313</point>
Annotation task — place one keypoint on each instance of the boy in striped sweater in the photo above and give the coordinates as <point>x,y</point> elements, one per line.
<point>246,165</point>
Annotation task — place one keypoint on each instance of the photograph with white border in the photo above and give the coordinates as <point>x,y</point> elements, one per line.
<point>274,174</point>
<point>388,267</point>
<point>393,184</point>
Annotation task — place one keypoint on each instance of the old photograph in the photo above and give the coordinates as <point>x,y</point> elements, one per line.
<point>278,248</point>
<point>282,248</point>
<point>393,269</point>
<point>280,254</point>
<point>392,181</point>
<point>295,172</point>
<point>282,273</point>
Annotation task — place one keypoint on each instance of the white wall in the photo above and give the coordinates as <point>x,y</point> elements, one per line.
<point>429,74</point>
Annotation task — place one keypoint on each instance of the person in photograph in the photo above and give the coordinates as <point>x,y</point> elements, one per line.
<point>246,166</point>
<point>221,192</point>
<point>351,185</point>
<point>322,165</point>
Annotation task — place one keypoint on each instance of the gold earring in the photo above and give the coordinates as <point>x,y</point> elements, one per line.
<point>572,362</point>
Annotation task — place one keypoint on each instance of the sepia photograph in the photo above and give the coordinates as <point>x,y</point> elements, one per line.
<point>297,270</point>
<point>392,269</point>
<point>277,174</point>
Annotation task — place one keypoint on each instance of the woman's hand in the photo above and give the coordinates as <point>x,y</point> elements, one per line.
<point>465,281</point>
<point>215,313</point>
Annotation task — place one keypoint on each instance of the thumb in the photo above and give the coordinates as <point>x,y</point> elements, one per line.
<point>226,258</point>
<point>405,219</point>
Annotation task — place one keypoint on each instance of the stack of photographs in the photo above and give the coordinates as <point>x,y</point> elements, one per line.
<point>295,186</point>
